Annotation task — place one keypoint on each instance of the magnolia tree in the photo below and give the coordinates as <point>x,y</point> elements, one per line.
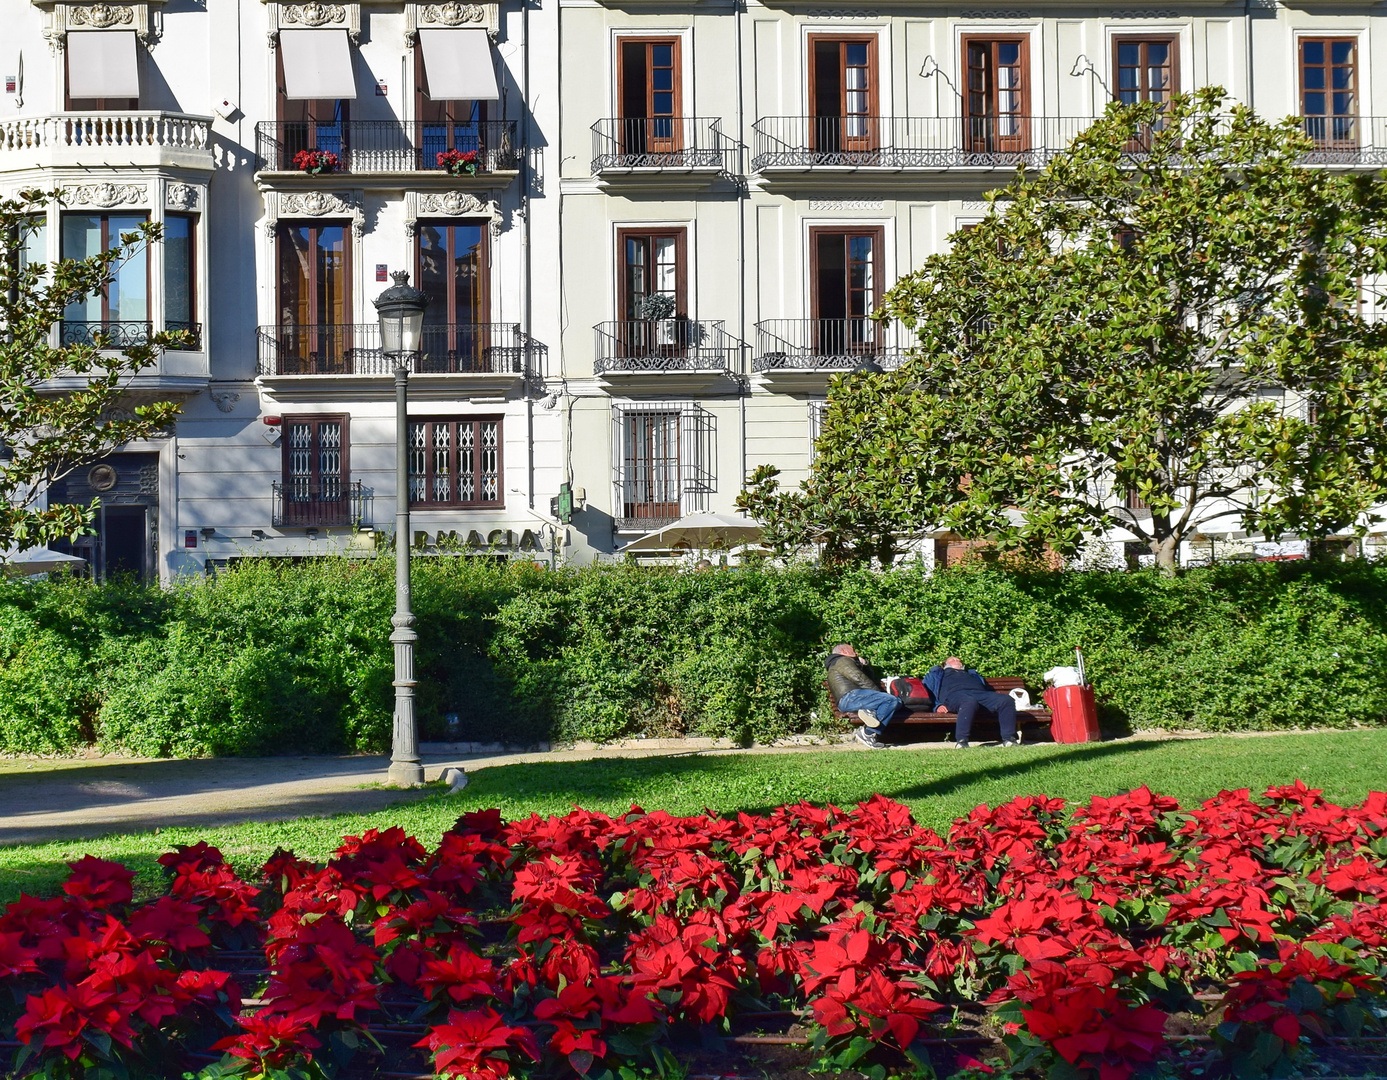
<point>1166,317</point>
<point>48,427</point>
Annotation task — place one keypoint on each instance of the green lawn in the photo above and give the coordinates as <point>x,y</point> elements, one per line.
<point>939,785</point>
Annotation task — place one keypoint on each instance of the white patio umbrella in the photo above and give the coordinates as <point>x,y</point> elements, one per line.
<point>699,531</point>
<point>39,560</point>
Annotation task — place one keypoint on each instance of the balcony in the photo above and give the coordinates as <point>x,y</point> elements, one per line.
<point>124,334</point>
<point>670,151</point>
<point>376,148</point>
<point>474,356</point>
<point>801,354</point>
<point>826,149</point>
<point>301,503</point>
<point>106,139</point>
<point>660,353</point>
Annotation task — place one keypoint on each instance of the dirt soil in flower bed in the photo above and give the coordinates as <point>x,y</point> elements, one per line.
<point>1126,937</point>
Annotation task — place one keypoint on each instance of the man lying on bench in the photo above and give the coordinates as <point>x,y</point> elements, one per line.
<point>856,691</point>
<point>962,690</point>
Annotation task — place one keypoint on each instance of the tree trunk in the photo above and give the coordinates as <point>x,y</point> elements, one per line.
<point>1165,550</point>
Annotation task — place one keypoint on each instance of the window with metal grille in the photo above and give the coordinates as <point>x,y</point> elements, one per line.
<point>665,461</point>
<point>817,408</point>
<point>315,458</point>
<point>455,463</point>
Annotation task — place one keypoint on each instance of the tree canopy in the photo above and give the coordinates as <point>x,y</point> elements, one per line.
<point>1158,331</point>
<point>61,406</point>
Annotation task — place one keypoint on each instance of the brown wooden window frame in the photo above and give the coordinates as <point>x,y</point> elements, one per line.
<point>452,120</point>
<point>291,142</point>
<point>316,420</point>
<point>643,473</point>
<point>429,472</point>
<point>976,137</point>
<point>484,276</point>
<point>641,134</point>
<point>827,133</point>
<point>1325,138</point>
<point>1144,91</point>
<point>878,234</point>
<point>193,221</point>
<point>681,254</point>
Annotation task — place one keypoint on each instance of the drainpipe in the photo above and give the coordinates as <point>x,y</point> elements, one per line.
<point>743,196</point>
<point>1247,21</point>
<point>525,208</point>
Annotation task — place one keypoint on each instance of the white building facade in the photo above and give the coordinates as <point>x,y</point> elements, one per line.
<point>650,231</point>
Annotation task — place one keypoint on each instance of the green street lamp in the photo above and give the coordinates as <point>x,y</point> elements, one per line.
<point>401,311</point>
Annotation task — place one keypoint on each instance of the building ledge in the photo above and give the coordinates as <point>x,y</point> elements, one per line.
<point>106,140</point>
<point>425,387</point>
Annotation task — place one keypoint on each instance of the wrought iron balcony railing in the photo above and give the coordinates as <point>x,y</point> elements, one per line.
<point>931,143</point>
<point>120,334</point>
<point>671,142</point>
<point>389,146</point>
<point>354,349</point>
<point>823,345</point>
<point>300,502</point>
<point>633,345</point>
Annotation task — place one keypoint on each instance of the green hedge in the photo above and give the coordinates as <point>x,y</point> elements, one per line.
<point>273,657</point>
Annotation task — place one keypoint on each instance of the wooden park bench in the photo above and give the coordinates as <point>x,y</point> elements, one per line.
<point>920,716</point>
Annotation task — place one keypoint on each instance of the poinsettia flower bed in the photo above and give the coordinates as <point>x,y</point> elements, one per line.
<point>1125,937</point>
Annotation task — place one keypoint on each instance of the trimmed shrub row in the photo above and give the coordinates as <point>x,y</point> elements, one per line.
<point>272,657</point>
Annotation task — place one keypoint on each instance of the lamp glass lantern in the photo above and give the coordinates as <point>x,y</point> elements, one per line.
<point>401,312</point>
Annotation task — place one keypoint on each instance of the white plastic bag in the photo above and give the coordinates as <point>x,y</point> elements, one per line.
<point>1022,699</point>
<point>1064,676</point>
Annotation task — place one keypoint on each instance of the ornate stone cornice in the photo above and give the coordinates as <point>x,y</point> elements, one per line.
<point>60,16</point>
<point>314,15</point>
<point>106,195</point>
<point>424,204</point>
<point>451,15</point>
<point>314,204</point>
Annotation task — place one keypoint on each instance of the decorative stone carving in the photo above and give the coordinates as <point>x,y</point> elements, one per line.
<point>149,479</point>
<point>312,14</point>
<point>116,413</point>
<point>106,194</point>
<point>224,400</point>
<point>454,13</point>
<point>182,197</point>
<point>102,477</point>
<point>452,203</point>
<point>847,204</point>
<point>101,16</point>
<point>315,204</point>
<point>989,14</point>
<point>1146,14</point>
<point>448,204</point>
<point>61,15</point>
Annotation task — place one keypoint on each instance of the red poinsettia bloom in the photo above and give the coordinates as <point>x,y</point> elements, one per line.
<point>463,974</point>
<point>271,1039</point>
<point>1093,1027</point>
<point>99,883</point>
<point>478,1045</point>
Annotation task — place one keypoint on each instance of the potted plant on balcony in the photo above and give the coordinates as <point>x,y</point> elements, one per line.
<point>315,162</point>
<point>459,162</point>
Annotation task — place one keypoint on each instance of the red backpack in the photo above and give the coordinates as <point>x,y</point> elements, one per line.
<point>911,691</point>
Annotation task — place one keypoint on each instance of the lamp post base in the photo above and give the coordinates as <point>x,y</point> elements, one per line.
<point>405,774</point>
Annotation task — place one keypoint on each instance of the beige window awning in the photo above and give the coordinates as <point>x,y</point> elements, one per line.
<point>317,65</point>
<point>459,65</point>
<point>102,64</point>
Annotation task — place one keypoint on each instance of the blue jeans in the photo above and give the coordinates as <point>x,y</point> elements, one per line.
<point>880,704</point>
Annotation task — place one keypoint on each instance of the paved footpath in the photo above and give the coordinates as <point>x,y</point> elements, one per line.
<point>65,798</point>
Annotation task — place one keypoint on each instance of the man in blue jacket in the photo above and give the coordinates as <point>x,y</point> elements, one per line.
<point>962,690</point>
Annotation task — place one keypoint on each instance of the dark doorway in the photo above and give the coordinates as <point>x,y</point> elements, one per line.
<point>127,540</point>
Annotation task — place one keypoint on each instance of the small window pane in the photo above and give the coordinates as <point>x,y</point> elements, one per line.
<point>178,270</point>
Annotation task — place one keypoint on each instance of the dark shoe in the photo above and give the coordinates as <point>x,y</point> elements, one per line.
<point>962,746</point>
<point>868,718</point>
<point>868,737</point>
<point>1011,742</point>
